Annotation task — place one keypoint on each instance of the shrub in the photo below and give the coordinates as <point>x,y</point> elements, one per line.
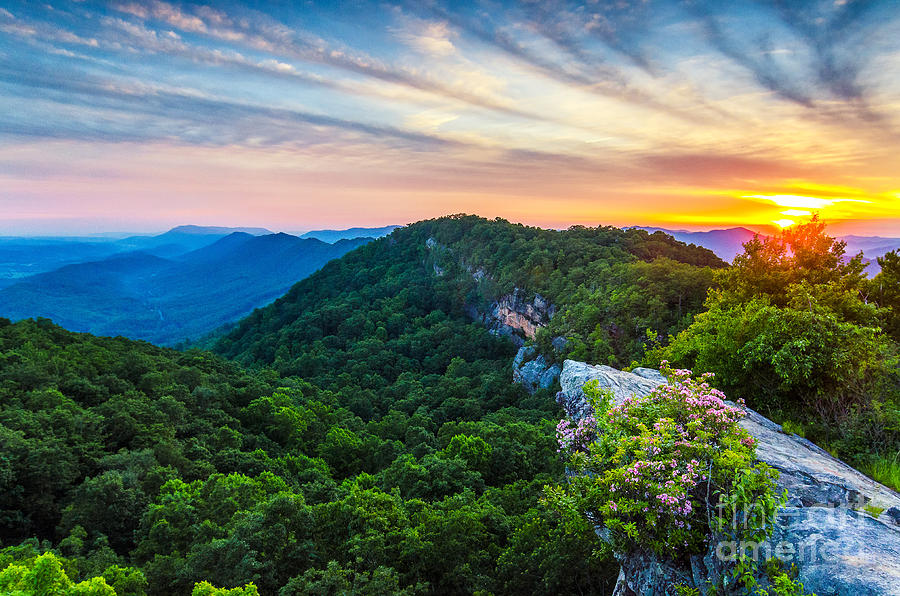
<point>667,472</point>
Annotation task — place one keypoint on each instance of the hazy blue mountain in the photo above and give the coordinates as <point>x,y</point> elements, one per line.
<point>166,300</point>
<point>183,239</point>
<point>872,247</point>
<point>23,257</point>
<point>335,235</point>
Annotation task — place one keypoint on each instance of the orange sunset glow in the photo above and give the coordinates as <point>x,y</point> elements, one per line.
<point>119,116</point>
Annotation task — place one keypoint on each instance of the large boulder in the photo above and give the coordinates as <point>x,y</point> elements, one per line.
<point>575,374</point>
<point>532,370</point>
<point>838,547</point>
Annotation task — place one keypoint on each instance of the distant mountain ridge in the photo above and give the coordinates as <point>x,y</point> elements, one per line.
<point>728,243</point>
<point>194,229</point>
<point>21,257</point>
<point>166,298</point>
<point>332,236</point>
<point>183,239</point>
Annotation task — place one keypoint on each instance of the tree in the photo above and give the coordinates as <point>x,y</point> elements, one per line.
<point>885,291</point>
<point>790,331</point>
<point>45,576</point>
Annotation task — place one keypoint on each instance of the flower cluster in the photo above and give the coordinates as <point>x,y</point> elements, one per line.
<point>658,460</point>
<point>576,436</point>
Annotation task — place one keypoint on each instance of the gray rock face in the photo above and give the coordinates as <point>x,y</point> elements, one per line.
<point>838,550</point>
<point>515,317</point>
<point>649,373</point>
<point>575,374</point>
<point>893,514</point>
<point>533,371</point>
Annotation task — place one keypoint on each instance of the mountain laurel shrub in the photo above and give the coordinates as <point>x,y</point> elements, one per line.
<point>668,472</point>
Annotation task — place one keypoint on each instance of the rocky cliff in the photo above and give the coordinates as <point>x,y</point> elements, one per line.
<point>839,548</point>
<point>533,371</point>
<point>515,316</point>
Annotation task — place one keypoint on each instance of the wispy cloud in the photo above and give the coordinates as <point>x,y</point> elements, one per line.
<point>263,33</point>
<point>433,38</point>
<point>628,106</point>
<point>124,100</point>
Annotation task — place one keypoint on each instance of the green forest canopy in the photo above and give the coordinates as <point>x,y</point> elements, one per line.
<point>365,436</point>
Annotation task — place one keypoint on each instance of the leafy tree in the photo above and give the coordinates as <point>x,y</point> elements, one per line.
<point>44,575</point>
<point>790,330</point>
<point>885,290</point>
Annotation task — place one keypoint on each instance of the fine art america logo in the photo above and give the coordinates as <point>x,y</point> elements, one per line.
<point>800,534</point>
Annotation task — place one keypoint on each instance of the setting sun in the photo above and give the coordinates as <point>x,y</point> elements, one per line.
<point>784,223</point>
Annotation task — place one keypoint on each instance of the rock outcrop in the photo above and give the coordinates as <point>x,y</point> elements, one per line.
<point>839,549</point>
<point>511,315</point>
<point>516,317</point>
<point>532,370</point>
<point>575,374</point>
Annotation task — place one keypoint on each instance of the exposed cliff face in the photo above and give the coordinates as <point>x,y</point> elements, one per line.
<point>838,549</point>
<point>512,315</point>
<point>516,317</point>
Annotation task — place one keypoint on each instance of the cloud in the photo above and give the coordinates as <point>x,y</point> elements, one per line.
<point>718,167</point>
<point>802,201</point>
<point>260,32</point>
<point>121,106</point>
<point>589,74</point>
<point>620,26</point>
<point>167,13</point>
<point>832,39</point>
<point>757,59</point>
<point>428,37</point>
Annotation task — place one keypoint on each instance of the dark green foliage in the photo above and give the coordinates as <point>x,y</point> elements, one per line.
<point>405,461</point>
<point>383,309</point>
<point>189,469</point>
<point>794,332</point>
<point>884,289</point>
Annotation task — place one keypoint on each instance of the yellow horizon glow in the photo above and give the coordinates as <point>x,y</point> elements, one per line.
<point>797,212</point>
<point>803,202</point>
<point>783,223</point>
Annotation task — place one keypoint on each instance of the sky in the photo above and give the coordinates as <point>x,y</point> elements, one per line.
<point>688,114</point>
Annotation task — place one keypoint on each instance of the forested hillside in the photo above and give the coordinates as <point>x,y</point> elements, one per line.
<point>404,459</point>
<point>181,465</point>
<point>365,436</point>
<point>611,287</point>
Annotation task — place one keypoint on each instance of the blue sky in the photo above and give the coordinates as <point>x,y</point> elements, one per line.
<point>291,115</point>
